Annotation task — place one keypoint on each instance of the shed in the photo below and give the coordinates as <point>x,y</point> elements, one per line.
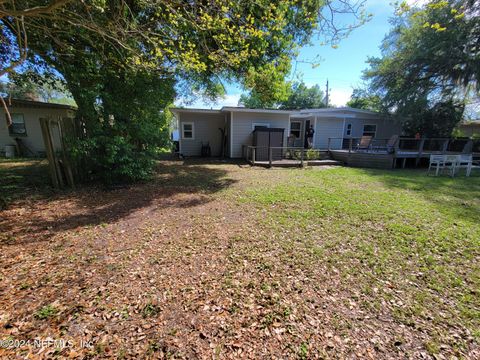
<point>264,138</point>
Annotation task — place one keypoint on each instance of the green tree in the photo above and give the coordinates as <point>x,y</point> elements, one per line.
<point>362,99</point>
<point>430,59</point>
<point>296,96</point>
<point>438,120</point>
<point>33,86</point>
<point>303,97</point>
<point>103,48</point>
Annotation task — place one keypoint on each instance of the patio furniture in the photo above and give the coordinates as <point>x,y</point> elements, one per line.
<point>437,162</point>
<point>464,162</point>
<point>365,143</point>
<point>451,163</point>
<point>389,146</point>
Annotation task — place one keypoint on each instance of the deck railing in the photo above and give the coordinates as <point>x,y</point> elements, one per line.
<point>440,145</point>
<point>264,155</point>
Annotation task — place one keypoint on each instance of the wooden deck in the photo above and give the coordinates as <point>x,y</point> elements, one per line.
<point>382,159</point>
<point>297,163</point>
<point>364,159</point>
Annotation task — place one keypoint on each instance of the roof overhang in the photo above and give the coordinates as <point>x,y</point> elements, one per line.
<point>36,104</point>
<point>341,113</point>
<point>263,111</point>
<point>176,111</point>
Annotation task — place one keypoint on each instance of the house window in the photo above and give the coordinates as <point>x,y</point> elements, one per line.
<point>187,130</point>
<point>296,129</point>
<point>260,125</point>
<point>369,130</point>
<point>349,130</point>
<point>18,125</point>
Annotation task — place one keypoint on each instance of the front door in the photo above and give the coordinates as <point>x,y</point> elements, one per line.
<point>307,126</point>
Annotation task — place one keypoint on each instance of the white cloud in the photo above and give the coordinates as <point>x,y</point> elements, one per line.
<point>339,97</point>
<point>228,100</point>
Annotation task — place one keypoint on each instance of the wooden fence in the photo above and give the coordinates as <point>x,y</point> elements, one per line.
<point>56,133</point>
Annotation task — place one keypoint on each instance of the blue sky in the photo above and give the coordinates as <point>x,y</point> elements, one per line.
<point>342,66</point>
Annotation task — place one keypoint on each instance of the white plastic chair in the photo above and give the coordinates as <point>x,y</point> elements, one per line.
<point>464,162</point>
<point>451,162</point>
<point>437,162</point>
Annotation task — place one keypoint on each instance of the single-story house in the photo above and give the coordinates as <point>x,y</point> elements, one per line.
<point>25,126</point>
<point>201,126</point>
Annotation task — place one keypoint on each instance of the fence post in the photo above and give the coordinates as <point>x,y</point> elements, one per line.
<point>253,156</point>
<point>269,156</point>
<point>350,144</point>
<point>50,152</point>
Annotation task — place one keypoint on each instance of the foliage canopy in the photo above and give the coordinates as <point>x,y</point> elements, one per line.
<point>297,96</point>
<point>430,60</point>
<point>123,59</point>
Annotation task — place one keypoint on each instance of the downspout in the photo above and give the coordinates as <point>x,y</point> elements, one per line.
<point>231,134</point>
<point>180,134</point>
<point>225,123</point>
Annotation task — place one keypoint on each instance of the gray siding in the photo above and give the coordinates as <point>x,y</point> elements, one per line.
<point>34,138</point>
<point>242,124</point>
<point>385,128</point>
<point>328,128</point>
<point>205,129</point>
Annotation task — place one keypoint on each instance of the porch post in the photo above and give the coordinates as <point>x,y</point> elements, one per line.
<point>269,156</point>
<point>420,151</point>
<point>350,144</point>
<point>301,157</point>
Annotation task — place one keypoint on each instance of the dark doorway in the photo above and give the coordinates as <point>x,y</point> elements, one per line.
<point>307,126</point>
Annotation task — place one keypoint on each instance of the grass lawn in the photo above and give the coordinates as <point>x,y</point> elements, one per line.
<point>222,260</point>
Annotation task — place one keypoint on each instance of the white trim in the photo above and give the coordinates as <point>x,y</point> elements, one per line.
<point>264,124</point>
<point>315,131</point>
<point>300,130</point>
<point>231,134</point>
<point>336,110</point>
<point>376,129</point>
<point>205,111</point>
<point>265,111</point>
<point>183,130</point>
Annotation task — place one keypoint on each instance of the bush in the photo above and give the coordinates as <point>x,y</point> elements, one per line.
<point>124,152</point>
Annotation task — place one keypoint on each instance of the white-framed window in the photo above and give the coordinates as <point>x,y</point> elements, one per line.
<point>370,130</point>
<point>188,131</point>
<point>349,130</point>
<point>17,128</point>
<point>259,125</point>
<point>296,129</point>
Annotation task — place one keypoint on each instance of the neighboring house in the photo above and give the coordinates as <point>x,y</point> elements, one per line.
<point>197,126</point>
<point>471,128</point>
<point>25,126</point>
